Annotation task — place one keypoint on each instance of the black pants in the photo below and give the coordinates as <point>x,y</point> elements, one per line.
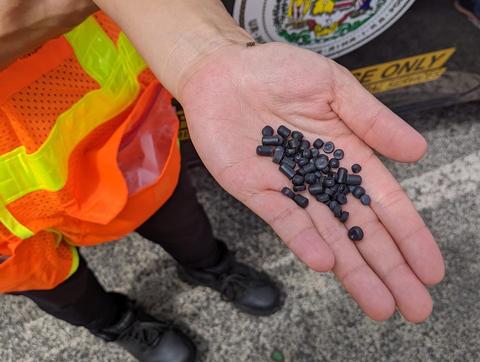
<point>181,227</point>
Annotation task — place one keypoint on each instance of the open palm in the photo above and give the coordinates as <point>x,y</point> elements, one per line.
<point>239,90</point>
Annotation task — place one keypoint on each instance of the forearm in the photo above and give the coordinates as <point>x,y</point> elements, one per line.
<point>26,24</point>
<point>174,36</point>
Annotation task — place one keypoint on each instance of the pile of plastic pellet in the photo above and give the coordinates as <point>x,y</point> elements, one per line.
<point>302,164</point>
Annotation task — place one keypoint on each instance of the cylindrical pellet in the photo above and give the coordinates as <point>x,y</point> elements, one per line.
<point>278,154</point>
<point>365,200</point>
<point>329,191</point>
<point>307,154</point>
<point>310,178</point>
<point>329,182</point>
<point>334,163</point>
<point>321,162</point>
<point>342,174</point>
<point>309,167</point>
<point>272,140</point>
<point>289,162</point>
<point>298,180</point>
<point>323,198</point>
<point>342,199</point>
<point>287,171</point>
<point>354,180</point>
<point>356,168</point>
<point>299,188</point>
<point>290,152</point>
<point>333,204</point>
<point>304,145</point>
<point>297,135</point>
<point>338,154</point>
<point>267,131</point>
<point>328,147</point>
<point>358,192</point>
<point>265,150</point>
<point>301,201</point>
<point>326,170</point>
<point>344,216</point>
<point>315,189</point>
<point>287,192</point>
<point>318,143</point>
<point>302,162</point>
<point>293,143</point>
<point>283,131</point>
<point>355,233</point>
<point>314,152</point>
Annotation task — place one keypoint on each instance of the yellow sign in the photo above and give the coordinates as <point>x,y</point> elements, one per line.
<point>404,72</point>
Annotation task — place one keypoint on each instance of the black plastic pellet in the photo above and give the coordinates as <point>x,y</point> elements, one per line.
<point>287,192</point>
<point>328,147</point>
<point>299,188</point>
<point>326,170</point>
<point>289,162</point>
<point>351,188</point>
<point>324,198</point>
<point>315,189</point>
<point>265,150</point>
<point>335,187</point>
<point>337,211</point>
<point>283,131</point>
<point>278,154</point>
<point>314,152</point>
<point>318,174</point>
<point>309,167</point>
<point>302,162</point>
<point>353,180</point>
<point>307,154</point>
<point>290,151</point>
<point>329,192</point>
<point>321,163</point>
<point>272,140</point>
<point>329,182</point>
<point>301,171</point>
<point>287,171</point>
<point>310,178</point>
<point>298,180</point>
<point>333,204</point>
<point>342,199</point>
<point>355,233</point>
<point>365,200</point>
<point>297,157</point>
<point>344,216</point>
<point>267,131</point>
<point>342,174</point>
<point>358,192</point>
<point>294,144</point>
<point>297,135</point>
<point>318,143</point>
<point>356,168</point>
<point>305,145</point>
<point>341,188</point>
<point>338,154</point>
<point>301,201</point>
<point>334,163</point>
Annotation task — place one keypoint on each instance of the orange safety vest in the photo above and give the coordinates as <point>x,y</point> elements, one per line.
<point>88,151</point>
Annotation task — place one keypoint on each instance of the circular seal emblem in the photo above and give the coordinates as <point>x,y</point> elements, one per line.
<point>329,27</point>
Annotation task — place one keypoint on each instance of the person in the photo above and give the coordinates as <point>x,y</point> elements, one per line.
<point>103,179</point>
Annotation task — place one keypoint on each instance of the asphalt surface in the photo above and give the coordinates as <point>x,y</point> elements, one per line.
<point>319,321</point>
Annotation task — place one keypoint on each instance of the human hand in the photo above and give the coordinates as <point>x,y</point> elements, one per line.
<point>235,91</point>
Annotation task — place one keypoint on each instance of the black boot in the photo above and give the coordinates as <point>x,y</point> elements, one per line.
<point>249,290</point>
<point>146,338</point>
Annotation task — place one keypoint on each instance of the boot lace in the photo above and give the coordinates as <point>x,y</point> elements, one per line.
<point>146,336</point>
<point>235,282</point>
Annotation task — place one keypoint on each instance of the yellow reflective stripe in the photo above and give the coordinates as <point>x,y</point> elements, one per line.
<point>47,168</point>
<point>13,225</point>
<point>75,261</point>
